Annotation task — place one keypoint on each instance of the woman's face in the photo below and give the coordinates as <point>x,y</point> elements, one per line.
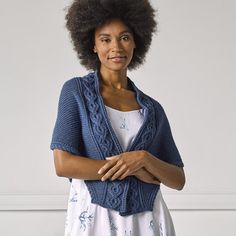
<point>114,45</point>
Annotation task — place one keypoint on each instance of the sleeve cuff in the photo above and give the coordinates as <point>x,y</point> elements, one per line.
<point>65,147</point>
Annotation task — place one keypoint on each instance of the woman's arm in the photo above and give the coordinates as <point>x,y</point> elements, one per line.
<point>78,167</point>
<point>129,163</point>
<point>170,175</point>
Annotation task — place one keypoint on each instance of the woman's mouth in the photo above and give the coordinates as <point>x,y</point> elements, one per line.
<point>117,58</point>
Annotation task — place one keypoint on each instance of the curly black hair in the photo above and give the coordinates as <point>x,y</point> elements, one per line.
<point>84,16</point>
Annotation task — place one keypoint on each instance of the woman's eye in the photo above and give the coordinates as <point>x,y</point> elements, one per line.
<point>125,38</point>
<point>105,40</point>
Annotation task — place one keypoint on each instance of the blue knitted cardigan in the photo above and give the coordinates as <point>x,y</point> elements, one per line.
<point>83,128</point>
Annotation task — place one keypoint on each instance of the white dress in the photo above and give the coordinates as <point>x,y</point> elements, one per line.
<point>87,219</point>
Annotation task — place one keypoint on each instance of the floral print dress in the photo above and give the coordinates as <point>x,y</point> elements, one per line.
<point>87,219</point>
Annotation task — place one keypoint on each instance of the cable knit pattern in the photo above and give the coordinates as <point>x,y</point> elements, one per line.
<point>95,138</point>
<point>98,124</point>
<point>104,142</point>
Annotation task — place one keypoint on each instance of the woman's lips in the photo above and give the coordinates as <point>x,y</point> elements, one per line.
<point>117,58</point>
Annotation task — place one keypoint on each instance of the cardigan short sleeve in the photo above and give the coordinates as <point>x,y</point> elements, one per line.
<point>167,147</point>
<point>67,130</point>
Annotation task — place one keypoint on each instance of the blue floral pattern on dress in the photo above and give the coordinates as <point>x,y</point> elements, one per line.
<point>74,195</point>
<point>85,220</point>
<point>113,227</point>
<point>128,233</point>
<point>161,230</point>
<point>152,226</point>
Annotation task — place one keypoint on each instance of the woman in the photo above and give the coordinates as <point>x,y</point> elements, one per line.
<point>110,139</point>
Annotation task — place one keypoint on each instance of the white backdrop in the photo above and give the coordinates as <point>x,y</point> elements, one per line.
<point>189,70</point>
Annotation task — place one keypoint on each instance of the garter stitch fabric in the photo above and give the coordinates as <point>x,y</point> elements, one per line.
<point>83,128</point>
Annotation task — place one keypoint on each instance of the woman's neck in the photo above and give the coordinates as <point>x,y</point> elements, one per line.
<point>114,79</point>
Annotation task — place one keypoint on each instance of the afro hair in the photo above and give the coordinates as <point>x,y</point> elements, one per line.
<point>84,16</point>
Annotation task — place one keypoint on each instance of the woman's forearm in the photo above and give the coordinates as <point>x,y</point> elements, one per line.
<point>71,166</point>
<point>170,175</point>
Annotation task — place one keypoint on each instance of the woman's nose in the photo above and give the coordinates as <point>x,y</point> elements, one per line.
<point>116,46</point>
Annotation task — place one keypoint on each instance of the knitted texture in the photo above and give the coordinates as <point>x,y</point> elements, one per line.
<point>83,128</point>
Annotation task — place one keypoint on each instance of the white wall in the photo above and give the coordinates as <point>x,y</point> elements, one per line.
<point>190,70</point>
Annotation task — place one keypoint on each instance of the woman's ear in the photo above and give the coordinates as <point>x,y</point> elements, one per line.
<point>94,49</point>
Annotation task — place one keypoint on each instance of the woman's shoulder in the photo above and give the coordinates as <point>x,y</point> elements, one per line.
<point>74,82</point>
<point>77,79</point>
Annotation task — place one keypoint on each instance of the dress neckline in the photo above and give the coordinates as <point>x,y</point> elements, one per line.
<point>101,125</point>
<point>123,112</point>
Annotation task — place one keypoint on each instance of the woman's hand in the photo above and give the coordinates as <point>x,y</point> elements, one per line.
<point>146,177</point>
<point>123,165</point>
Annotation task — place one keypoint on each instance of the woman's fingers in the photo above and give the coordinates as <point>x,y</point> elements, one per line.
<point>119,173</point>
<point>125,174</point>
<point>115,171</point>
<point>106,167</point>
